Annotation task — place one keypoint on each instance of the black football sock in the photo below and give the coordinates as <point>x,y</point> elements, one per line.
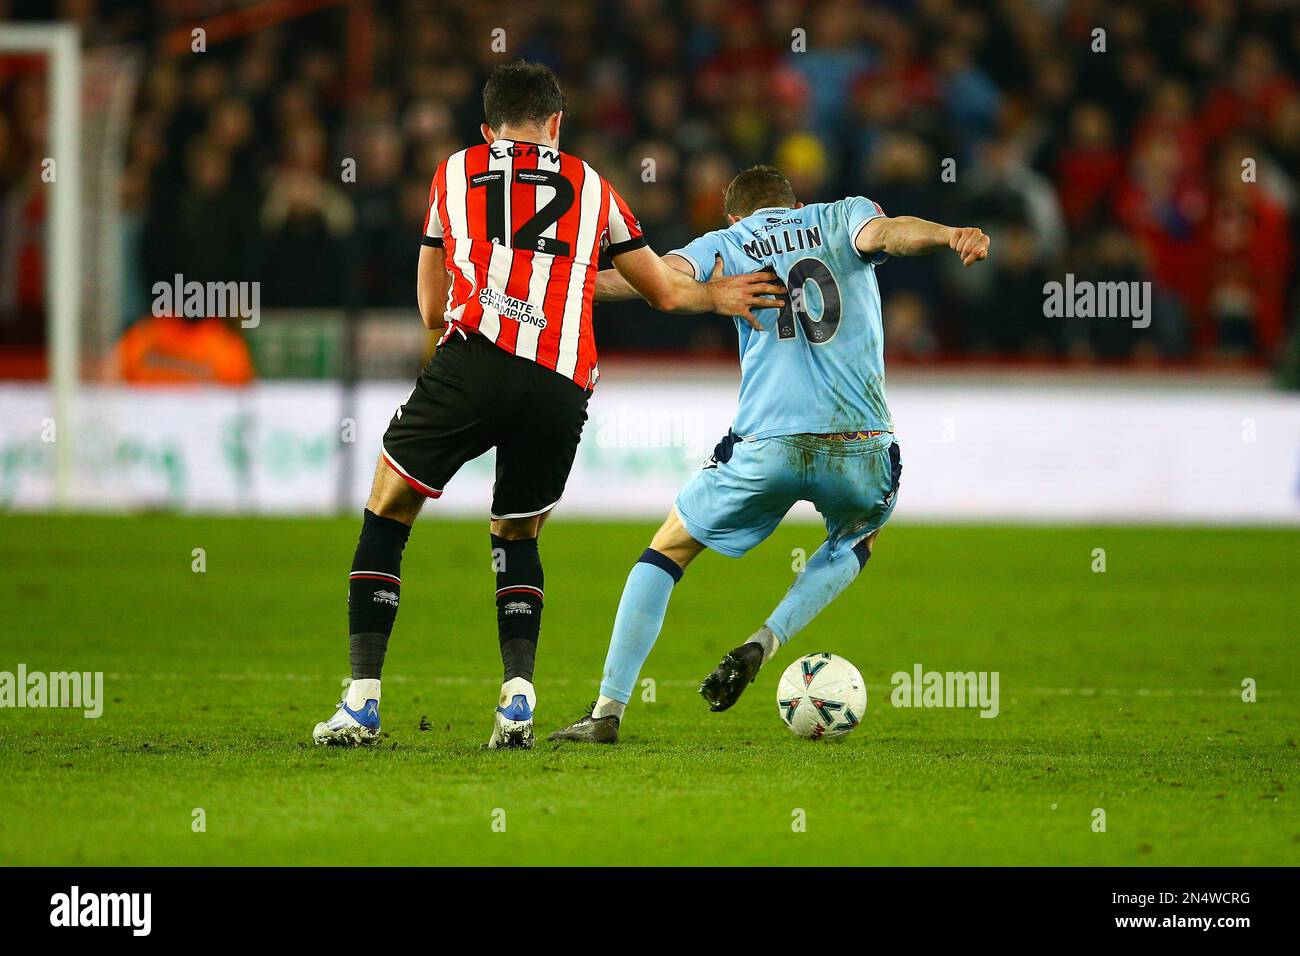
<point>374,587</point>
<point>519,603</point>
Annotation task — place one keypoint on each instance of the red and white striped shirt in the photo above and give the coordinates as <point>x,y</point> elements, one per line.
<point>523,226</point>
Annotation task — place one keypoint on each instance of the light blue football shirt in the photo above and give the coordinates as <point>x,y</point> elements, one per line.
<point>818,365</point>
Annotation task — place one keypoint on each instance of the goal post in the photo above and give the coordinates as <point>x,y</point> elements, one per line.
<point>61,43</point>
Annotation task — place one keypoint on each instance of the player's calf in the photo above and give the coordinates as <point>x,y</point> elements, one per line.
<point>519,599</point>
<point>374,590</point>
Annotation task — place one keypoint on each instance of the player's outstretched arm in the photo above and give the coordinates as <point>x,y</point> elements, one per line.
<point>612,287</point>
<point>910,236</point>
<point>669,287</point>
<point>431,282</point>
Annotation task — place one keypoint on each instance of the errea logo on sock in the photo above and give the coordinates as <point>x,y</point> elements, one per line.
<point>103,909</point>
<point>518,607</point>
<point>386,597</point>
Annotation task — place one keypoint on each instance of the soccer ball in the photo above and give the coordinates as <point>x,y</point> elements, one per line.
<point>821,696</point>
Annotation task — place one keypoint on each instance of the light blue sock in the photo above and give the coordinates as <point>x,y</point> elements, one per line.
<point>636,625</point>
<point>822,580</point>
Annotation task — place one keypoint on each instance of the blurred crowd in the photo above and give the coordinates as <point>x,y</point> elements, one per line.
<point>1165,147</point>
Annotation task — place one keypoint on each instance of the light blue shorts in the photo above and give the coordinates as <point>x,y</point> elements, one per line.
<point>741,494</point>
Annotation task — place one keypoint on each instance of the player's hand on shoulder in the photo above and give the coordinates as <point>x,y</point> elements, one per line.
<point>970,244</point>
<point>740,295</point>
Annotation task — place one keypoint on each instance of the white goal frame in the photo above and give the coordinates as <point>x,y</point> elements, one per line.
<point>61,42</point>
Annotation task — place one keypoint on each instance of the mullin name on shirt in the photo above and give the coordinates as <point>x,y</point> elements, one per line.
<point>785,240</point>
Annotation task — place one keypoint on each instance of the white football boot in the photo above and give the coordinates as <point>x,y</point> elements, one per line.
<point>513,726</point>
<point>356,722</point>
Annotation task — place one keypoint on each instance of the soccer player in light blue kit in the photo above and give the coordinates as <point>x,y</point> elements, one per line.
<point>812,422</point>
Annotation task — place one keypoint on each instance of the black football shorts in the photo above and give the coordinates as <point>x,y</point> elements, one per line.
<point>473,396</point>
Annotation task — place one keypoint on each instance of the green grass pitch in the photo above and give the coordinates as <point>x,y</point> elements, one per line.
<point>1120,691</point>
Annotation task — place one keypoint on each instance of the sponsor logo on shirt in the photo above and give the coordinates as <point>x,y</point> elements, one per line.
<point>508,307</point>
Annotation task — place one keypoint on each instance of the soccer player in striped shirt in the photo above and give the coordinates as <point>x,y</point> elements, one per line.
<point>511,245</point>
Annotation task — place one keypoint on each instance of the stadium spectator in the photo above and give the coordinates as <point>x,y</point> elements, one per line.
<point>209,233</point>
<point>1249,256</point>
<point>170,350</point>
<point>1089,167</point>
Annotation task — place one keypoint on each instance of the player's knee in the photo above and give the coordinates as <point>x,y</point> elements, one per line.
<point>678,556</point>
<point>394,499</point>
<point>516,529</point>
<point>675,543</point>
<point>405,511</point>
